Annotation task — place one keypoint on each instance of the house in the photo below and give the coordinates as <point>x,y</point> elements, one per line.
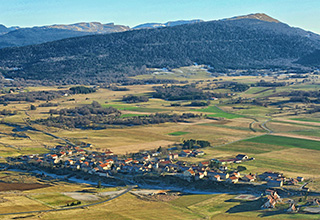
<point>199,175</point>
<point>270,175</point>
<point>198,153</point>
<point>108,153</point>
<point>270,204</point>
<point>242,157</point>
<point>232,179</point>
<point>188,175</point>
<point>185,153</point>
<point>272,199</point>
<point>215,178</point>
<point>300,178</point>
<point>173,156</point>
<point>248,178</point>
<point>236,174</point>
<point>204,164</point>
<point>269,191</point>
<point>292,208</point>
<point>223,168</point>
<point>129,160</point>
<point>274,183</point>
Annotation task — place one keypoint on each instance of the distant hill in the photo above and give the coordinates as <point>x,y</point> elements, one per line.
<point>237,43</point>
<point>168,24</point>
<point>15,37</point>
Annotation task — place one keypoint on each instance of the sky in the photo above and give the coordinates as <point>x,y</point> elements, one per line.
<point>27,13</point>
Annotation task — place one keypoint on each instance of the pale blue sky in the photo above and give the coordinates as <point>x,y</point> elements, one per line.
<point>27,13</point>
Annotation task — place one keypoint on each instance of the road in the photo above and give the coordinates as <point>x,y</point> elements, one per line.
<point>70,208</point>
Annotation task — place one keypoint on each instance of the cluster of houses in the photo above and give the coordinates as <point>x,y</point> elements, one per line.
<point>109,164</point>
<point>275,179</point>
<point>272,199</point>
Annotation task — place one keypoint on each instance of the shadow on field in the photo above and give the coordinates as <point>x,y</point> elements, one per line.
<point>245,206</point>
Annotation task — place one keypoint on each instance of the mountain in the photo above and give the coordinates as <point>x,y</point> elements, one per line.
<point>244,43</point>
<point>168,24</point>
<point>92,27</point>
<point>3,29</point>
<point>36,35</point>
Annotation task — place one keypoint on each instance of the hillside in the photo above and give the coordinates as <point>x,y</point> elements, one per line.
<point>241,43</point>
<point>312,59</point>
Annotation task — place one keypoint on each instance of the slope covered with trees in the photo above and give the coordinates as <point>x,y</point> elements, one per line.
<point>242,43</point>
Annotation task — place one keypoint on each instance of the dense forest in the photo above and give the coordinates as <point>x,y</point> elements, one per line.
<point>220,44</point>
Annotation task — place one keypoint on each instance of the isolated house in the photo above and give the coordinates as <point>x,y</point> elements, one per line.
<point>242,157</point>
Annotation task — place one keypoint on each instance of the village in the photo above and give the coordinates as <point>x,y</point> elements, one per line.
<point>166,162</point>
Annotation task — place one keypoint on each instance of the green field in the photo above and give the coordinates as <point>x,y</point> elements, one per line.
<point>286,142</point>
<point>217,112</point>
<point>178,133</point>
<point>306,119</point>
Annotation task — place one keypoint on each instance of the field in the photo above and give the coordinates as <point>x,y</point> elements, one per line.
<point>286,142</point>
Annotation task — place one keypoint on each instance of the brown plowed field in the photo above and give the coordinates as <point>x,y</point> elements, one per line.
<point>21,186</point>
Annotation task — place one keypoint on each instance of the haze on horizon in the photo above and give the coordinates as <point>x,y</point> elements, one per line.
<point>28,13</point>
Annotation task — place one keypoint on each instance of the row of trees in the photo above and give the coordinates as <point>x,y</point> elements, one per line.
<point>100,121</point>
<point>32,96</point>
<point>187,92</point>
<point>134,99</point>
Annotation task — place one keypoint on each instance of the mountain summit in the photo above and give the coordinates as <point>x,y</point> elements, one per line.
<point>257,16</point>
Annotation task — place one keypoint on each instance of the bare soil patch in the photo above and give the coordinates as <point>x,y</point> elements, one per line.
<point>21,186</point>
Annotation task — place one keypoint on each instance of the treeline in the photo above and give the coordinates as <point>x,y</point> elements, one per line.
<point>32,96</point>
<point>197,103</point>
<point>191,143</point>
<point>8,112</point>
<point>187,92</point>
<point>130,81</point>
<point>94,108</point>
<point>82,90</point>
<point>90,121</point>
<point>48,104</point>
<point>233,86</point>
<point>264,83</point>
<point>134,99</point>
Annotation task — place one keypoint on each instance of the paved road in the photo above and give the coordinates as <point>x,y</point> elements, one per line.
<point>70,208</point>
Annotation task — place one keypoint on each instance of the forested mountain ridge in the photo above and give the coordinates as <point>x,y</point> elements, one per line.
<point>241,43</point>
<point>14,37</point>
